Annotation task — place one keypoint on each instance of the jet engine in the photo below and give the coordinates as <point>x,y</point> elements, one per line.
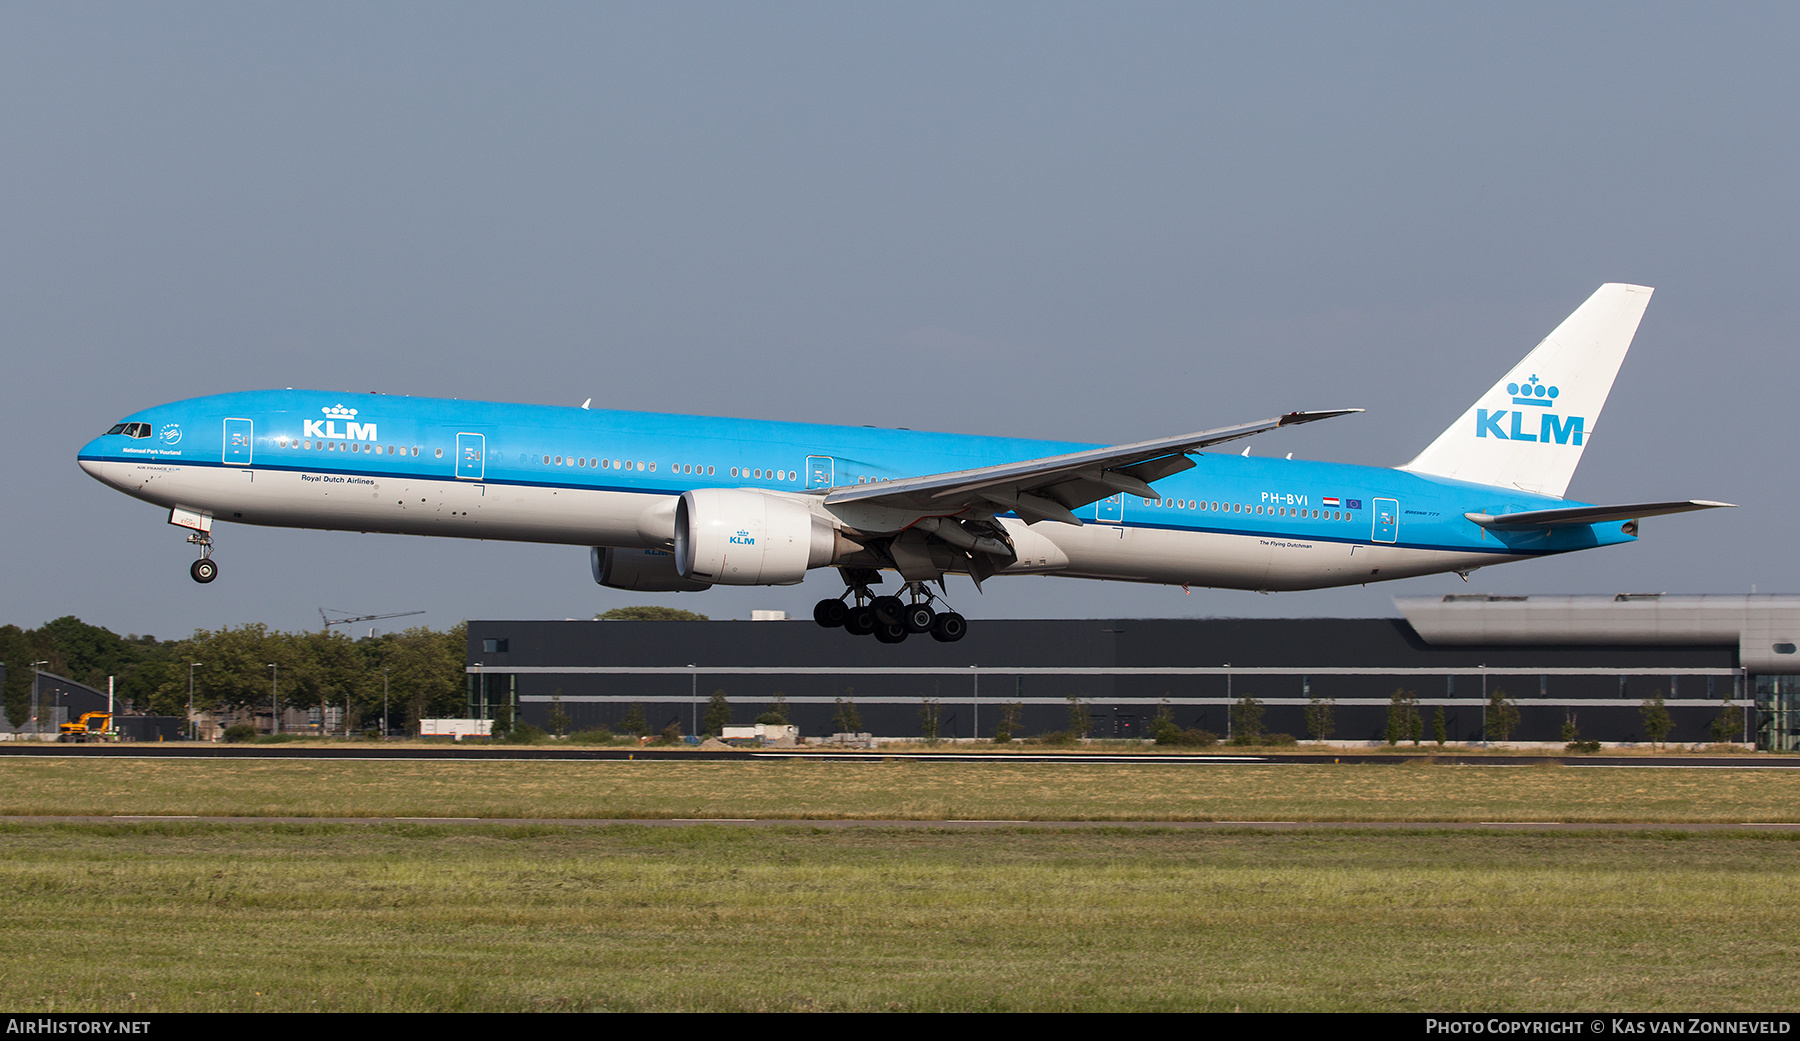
<point>646,570</point>
<point>741,537</point>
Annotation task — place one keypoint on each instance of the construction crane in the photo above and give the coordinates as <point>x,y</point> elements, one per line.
<point>330,621</point>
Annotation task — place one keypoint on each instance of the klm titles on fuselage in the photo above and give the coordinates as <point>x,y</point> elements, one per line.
<point>1563,430</point>
<point>327,428</point>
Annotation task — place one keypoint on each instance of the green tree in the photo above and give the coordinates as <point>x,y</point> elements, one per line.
<point>1321,717</point>
<point>635,722</point>
<point>1078,717</point>
<point>559,720</point>
<point>16,652</point>
<point>846,718</point>
<point>718,713</point>
<point>776,713</point>
<point>89,654</point>
<point>928,720</point>
<point>1440,727</point>
<point>1502,715</point>
<point>1402,717</point>
<point>1657,722</point>
<point>236,665</point>
<point>503,721</point>
<point>647,613</point>
<point>424,671</point>
<point>1729,724</point>
<point>1012,714</point>
<point>1246,721</point>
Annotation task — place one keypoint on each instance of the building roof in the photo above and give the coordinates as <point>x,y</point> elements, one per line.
<point>1765,627</point>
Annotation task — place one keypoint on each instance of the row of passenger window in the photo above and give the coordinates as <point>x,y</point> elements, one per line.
<point>349,446</point>
<point>639,465</point>
<point>677,468</point>
<point>1236,507</point>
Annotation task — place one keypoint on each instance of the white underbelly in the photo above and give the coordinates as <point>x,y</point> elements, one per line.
<point>1261,562</point>
<point>399,505</point>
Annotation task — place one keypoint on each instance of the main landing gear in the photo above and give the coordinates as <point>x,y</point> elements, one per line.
<point>889,618</point>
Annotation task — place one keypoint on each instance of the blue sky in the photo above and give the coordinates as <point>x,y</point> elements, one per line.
<point>1102,222</point>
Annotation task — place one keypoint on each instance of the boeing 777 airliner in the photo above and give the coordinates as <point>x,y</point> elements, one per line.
<point>685,503</point>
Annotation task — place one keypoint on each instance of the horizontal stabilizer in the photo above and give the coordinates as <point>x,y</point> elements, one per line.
<point>1587,514</point>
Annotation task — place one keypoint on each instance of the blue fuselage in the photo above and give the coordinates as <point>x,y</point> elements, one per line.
<point>379,463</point>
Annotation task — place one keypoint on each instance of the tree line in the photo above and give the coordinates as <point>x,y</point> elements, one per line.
<point>423,669</point>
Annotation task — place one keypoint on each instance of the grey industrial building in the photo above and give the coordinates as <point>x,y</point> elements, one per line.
<point>1593,658</point>
<point>61,700</point>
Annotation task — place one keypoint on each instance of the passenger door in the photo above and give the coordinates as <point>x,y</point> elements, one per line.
<point>1387,520</point>
<point>819,471</point>
<point>471,457</point>
<point>240,442</point>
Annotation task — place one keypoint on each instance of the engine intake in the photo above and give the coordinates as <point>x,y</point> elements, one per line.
<point>740,537</point>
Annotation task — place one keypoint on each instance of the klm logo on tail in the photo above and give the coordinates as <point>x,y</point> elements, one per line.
<point>1562,430</point>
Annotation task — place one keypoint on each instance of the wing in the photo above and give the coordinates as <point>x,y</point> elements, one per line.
<point>1052,487</point>
<point>1587,514</point>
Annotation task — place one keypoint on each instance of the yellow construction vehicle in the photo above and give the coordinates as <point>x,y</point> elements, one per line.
<point>92,726</point>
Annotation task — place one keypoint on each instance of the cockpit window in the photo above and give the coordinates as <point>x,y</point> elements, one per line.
<point>131,429</point>
<point>118,428</point>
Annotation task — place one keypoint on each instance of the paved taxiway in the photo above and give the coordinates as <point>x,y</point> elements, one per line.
<point>372,751</point>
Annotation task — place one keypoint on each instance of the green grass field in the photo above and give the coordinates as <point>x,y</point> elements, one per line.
<point>333,917</point>
<point>173,916</point>
<point>907,790</point>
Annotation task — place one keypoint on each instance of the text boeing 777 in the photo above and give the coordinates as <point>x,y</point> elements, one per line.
<point>684,503</point>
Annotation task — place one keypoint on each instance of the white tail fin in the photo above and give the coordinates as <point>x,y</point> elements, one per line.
<point>1529,430</point>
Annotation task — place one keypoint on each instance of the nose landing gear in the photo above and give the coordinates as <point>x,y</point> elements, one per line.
<point>890,619</point>
<point>206,568</point>
<point>199,525</point>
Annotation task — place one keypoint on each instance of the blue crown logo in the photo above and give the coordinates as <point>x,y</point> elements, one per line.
<point>1532,392</point>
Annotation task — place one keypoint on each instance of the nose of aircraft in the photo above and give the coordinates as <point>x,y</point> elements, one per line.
<point>89,458</point>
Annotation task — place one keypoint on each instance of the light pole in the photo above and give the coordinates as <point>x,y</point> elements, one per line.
<point>37,725</point>
<point>1227,703</point>
<point>384,702</point>
<point>193,731</point>
<point>975,705</point>
<point>274,698</point>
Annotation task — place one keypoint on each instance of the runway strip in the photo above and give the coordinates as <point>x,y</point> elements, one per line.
<point>410,751</point>
<point>955,825</point>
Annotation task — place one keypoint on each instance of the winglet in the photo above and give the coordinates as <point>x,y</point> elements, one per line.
<point>1296,418</point>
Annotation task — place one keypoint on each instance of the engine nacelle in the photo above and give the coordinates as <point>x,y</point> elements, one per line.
<point>646,570</point>
<point>740,537</point>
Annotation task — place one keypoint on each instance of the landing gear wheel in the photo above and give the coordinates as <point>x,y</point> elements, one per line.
<point>890,632</point>
<point>920,618</point>
<point>950,627</point>
<point>830,613</point>
<point>204,570</point>
<point>890,610</point>
<point>860,621</point>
